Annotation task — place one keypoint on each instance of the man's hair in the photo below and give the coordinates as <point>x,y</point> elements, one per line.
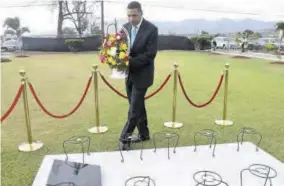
<point>135,5</point>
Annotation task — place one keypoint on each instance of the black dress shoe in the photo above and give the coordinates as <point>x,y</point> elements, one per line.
<point>137,140</point>
<point>124,146</point>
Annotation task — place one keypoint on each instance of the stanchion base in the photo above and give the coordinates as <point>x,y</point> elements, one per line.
<point>171,124</point>
<point>224,122</point>
<point>34,146</point>
<point>97,130</point>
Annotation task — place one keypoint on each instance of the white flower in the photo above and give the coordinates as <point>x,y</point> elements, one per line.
<point>113,51</point>
<point>118,37</point>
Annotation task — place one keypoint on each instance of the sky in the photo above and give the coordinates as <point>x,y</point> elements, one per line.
<point>41,20</point>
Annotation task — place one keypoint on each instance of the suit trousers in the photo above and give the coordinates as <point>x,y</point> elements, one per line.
<point>137,116</point>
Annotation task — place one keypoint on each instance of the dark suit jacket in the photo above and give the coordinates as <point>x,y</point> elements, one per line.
<point>142,55</point>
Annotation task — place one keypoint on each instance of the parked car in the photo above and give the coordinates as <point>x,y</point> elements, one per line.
<point>11,45</point>
<point>225,43</point>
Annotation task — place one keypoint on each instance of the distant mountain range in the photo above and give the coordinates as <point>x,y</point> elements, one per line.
<point>194,26</point>
<point>191,27</point>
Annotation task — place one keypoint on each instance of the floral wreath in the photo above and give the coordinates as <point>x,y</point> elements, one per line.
<point>115,50</point>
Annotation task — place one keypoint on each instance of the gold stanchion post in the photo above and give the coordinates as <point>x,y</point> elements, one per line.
<point>173,123</point>
<point>30,145</point>
<point>98,128</point>
<point>225,122</point>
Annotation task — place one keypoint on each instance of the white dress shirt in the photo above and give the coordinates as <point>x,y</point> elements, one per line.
<point>137,26</point>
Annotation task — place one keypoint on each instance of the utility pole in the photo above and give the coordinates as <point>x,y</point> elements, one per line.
<point>102,19</point>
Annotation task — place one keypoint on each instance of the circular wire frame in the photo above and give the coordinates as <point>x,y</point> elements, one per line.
<point>210,134</point>
<point>167,135</point>
<point>261,171</point>
<point>249,131</point>
<point>208,178</point>
<point>140,181</point>
<point>77,140</point>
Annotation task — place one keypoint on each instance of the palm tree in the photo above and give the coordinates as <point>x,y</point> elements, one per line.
<point>280,27</point>
<point>13,26</point>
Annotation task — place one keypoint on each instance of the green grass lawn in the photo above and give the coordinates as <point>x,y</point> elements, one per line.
<point>256,99</point>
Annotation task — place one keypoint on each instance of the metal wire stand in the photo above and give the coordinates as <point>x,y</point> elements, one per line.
<point>168,136</point>
<point>210,134</point>
<point>208,178</point>
<point>140,181</point>
<point>249,131</point>
<point>261,171</point>
<point>75,140</point>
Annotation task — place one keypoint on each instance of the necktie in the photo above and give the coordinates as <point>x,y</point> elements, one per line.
<point>133,34</point>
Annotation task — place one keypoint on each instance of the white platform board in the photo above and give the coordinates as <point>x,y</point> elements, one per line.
<point>179,170</point>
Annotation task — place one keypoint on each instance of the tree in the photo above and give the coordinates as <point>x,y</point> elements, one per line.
<point>8,31</point>
<point>95,30</point>
<point>280,27</point>
<point>61,16</point>
<point>77,15</point>
<point>238,37</point>
<point>69,32</point>
<point>76,12</point>
<point>13,26</point>
<point>248,34</point>
<point>256,35</point>
<point>60,19</point>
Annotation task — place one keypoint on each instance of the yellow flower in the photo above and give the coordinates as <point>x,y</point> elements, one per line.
<point>123,46</point>
<point>111,61</point>
<point>112,38</point>
<point>122,55</point>
<point>103,52</point>
<point>127,62</point>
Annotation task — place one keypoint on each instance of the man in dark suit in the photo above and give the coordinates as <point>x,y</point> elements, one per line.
<point>144,41</point>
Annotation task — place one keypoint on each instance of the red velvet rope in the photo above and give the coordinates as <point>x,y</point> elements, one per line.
<point>206,103</point>
<point>111,87</point>
<point>124,96</point>
<point>18,95</point>
<point>65,115</point>
<point>160,88</point>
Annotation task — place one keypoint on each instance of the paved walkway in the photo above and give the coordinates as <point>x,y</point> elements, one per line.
<point>253,55</point>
